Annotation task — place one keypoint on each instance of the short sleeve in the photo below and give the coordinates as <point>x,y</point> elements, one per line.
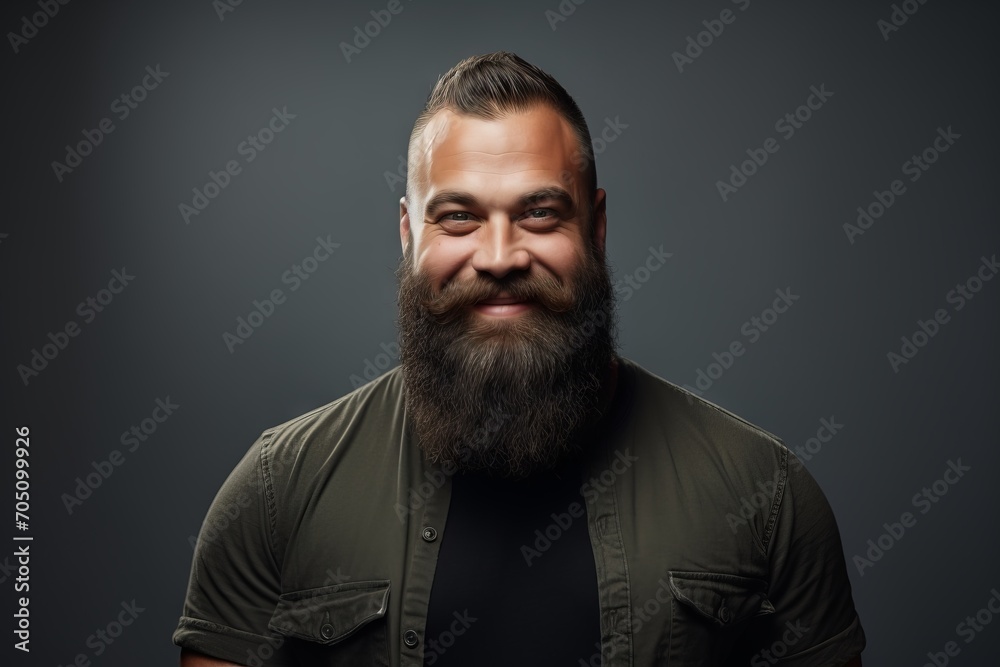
<point>234,585</point>
<point>814,621</point>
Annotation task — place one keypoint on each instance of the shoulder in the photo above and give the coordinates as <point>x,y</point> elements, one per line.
<point>365,419</point>
<point>696,426</point>
<point>693,453</point>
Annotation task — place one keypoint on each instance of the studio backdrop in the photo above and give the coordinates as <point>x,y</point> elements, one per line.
<point>201,225</point>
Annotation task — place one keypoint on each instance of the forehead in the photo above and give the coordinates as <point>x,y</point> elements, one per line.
<point>513,151</point>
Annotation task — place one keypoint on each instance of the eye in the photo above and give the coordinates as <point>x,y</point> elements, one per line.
<point>457,222</point>
<point>541,217</point>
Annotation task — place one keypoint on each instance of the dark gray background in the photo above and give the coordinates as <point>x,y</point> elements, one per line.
<point>325,175</point>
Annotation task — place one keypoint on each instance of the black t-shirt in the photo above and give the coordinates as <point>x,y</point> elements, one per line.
<point>514,585</point>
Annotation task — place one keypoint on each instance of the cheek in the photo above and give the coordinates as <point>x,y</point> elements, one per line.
<point>560,254</point>
<point>441,258</point>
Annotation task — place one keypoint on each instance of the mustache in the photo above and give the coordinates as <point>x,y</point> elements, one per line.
<point>451,302</point>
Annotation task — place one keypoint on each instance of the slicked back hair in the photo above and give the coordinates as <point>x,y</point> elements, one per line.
<point>494,85</point>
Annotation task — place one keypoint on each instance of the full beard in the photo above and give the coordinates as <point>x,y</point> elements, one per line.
<point>505,396</point>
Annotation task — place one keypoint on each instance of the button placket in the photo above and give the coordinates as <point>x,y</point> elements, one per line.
<point>612,569</point>
<point>429,524</point>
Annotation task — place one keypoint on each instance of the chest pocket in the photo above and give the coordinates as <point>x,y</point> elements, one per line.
<point>334,626</point>
<point>710,612</point>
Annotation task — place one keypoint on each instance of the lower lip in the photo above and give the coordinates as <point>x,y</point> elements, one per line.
<point>502,310</point>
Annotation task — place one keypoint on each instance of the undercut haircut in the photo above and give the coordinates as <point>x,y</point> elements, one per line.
<point>493,86</point>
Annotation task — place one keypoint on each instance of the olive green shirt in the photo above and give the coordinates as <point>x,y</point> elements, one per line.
<point>712,544</point>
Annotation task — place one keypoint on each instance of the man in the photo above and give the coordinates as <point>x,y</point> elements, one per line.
<point>515,493</point>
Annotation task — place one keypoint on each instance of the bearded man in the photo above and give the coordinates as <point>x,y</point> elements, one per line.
<point>515,493</point>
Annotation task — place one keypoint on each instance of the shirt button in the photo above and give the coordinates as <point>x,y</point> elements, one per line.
<point>724,614</point>
<point>410,638</point>
<point>429,534</point>
<point>326,631</point>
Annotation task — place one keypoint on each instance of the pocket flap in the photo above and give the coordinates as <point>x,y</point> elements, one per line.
<point>721,598</point>
<point>331,613</point>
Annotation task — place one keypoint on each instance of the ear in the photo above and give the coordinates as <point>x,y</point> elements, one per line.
<point>599,226</point>
<point>404,224</point>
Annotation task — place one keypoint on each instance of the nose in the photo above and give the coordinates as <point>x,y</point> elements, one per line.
<point>500,249</point>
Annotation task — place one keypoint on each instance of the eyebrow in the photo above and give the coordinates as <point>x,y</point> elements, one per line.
<point>461,198</point>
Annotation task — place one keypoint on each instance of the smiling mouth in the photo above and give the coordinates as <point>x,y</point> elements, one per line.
<point>502,307</point>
